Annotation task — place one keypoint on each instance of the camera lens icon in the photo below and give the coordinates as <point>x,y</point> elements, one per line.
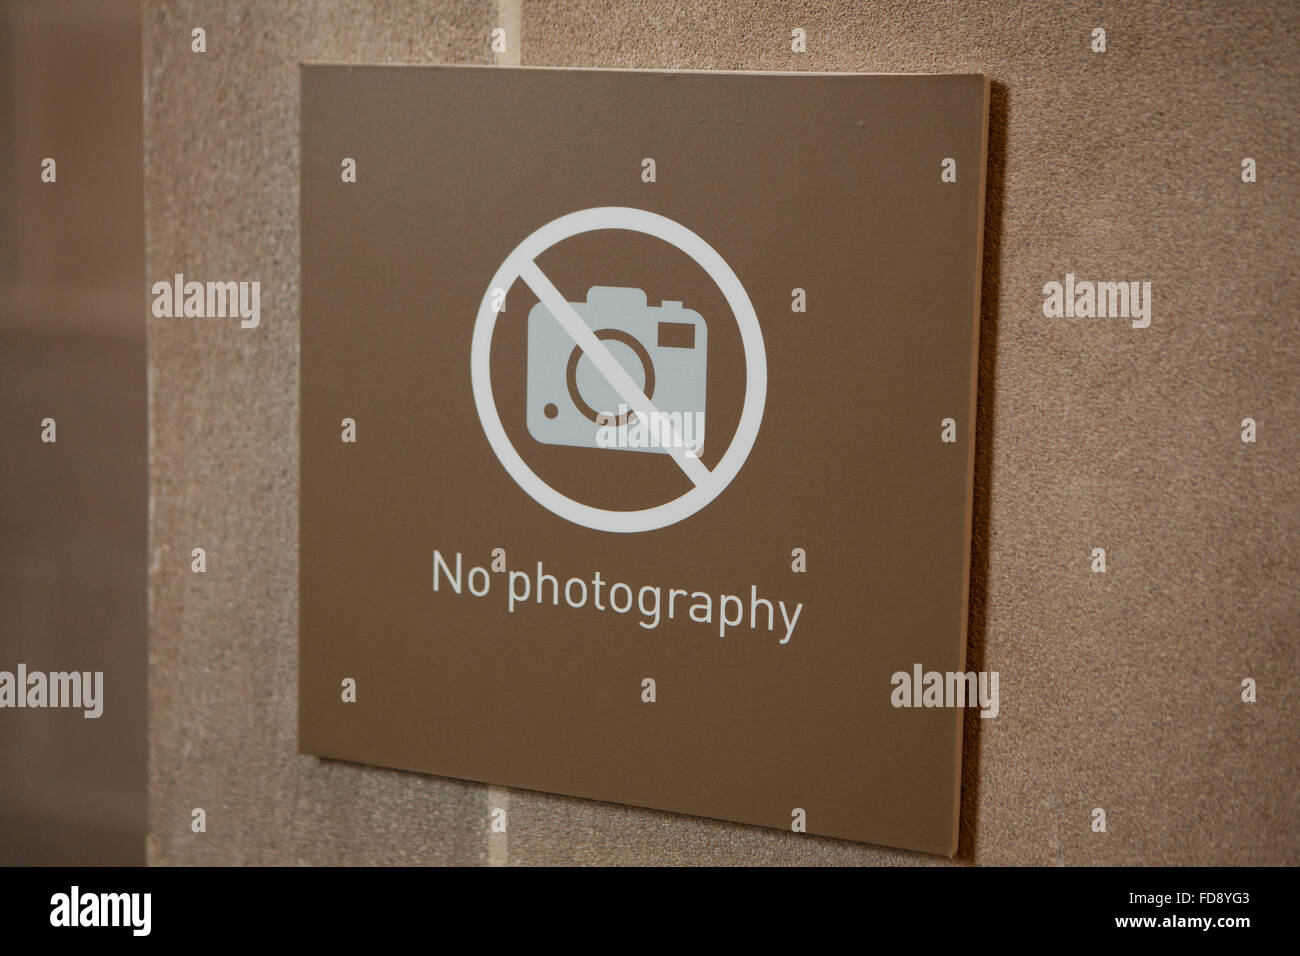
<point>664,349</point>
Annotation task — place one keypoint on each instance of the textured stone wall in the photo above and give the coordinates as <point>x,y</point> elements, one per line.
<point>1119,691</point>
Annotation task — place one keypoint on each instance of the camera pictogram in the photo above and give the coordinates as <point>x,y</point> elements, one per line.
<point>663,348</point>
<point>640,356</point>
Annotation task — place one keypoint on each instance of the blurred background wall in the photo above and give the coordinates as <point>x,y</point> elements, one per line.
<point>72,513</point>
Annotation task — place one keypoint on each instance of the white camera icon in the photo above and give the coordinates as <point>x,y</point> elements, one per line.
<point>664,349</point>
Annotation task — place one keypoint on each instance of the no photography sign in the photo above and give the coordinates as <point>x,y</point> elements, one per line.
<point>637,436</point>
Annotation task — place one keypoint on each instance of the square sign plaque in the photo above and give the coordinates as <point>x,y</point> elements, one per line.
<point>637,436</point>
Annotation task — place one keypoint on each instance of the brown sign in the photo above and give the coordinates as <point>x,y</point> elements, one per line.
<point>637,435</point>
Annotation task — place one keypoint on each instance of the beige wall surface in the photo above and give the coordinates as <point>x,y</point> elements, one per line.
<point>1119,690</point>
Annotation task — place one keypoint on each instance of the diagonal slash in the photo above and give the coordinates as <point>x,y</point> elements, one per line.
<point>608,366</point>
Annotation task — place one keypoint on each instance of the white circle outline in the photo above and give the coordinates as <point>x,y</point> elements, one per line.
<point>751,336</point>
